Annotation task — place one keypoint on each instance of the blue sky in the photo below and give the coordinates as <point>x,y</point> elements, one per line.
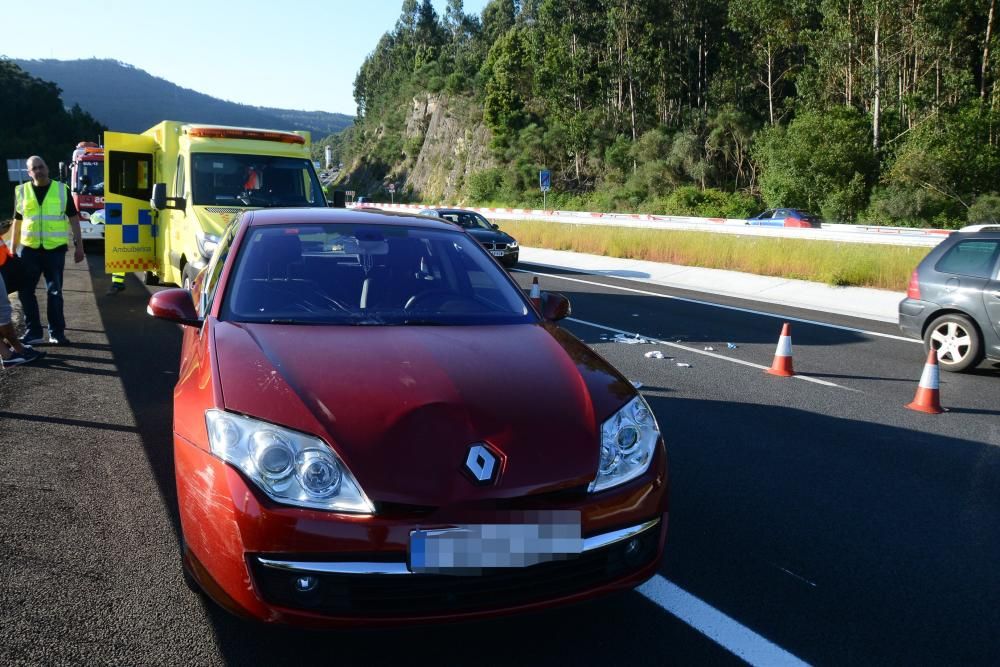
<point>296,54</point>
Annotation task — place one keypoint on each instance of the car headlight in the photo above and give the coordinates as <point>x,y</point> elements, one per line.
<point>207,243</point>
<point>512,245</point>
<point>628,441</point>
<point>291,468</point>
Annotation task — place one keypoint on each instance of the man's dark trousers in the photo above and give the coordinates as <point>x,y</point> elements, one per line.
<point>50,263</point>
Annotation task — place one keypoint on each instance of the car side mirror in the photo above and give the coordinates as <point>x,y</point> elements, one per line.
<point>555,306</point>
<point>160,200</point>
<point>494,225</point>
<point>174,305</point>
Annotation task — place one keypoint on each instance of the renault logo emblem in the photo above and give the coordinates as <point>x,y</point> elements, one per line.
<point>482,464</point>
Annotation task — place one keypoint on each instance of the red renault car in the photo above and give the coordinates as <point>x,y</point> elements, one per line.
<point>373,424</point>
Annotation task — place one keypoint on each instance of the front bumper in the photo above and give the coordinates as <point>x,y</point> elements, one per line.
<point>249,554</point>
<point>90,231</point>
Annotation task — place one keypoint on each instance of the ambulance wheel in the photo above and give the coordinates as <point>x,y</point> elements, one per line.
<point>150,278</point>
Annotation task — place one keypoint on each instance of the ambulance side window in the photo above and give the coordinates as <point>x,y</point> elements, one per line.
<point>130,174</point>
<point>179,177</point>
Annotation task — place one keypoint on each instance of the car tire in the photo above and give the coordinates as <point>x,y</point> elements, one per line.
<point>963,346</point>
<point>150,278</point>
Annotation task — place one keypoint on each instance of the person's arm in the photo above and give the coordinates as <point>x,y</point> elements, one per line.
<point>15,233</point>
<point>74,223</point>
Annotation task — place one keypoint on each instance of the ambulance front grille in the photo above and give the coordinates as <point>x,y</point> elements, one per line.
<point>221,209</point>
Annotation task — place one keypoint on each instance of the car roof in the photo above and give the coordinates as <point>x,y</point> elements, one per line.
<point>451,210</point>
<point>316,216</point>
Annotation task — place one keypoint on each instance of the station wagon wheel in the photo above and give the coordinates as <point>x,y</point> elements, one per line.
<point>956,340</point>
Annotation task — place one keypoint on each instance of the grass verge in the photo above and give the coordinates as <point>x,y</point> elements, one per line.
<point>843,264</point>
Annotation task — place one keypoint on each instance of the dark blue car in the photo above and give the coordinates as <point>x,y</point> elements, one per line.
<point>500,244</point>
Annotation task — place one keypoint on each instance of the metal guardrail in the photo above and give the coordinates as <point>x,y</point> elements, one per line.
<point>905,236</point>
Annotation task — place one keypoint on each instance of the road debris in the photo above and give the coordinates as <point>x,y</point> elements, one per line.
<point>655,354</point>
<point>634,339</point>
<point>681,364</point>
<point>636,384</point>
<point>709,348</point>
<point>732,346</point>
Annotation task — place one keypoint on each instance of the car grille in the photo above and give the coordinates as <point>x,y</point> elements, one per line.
<point>494,246</point>
<point>414,595</point>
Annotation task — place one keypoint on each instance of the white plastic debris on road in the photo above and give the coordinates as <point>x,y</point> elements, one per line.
<point>681,364</point>
<point>636,384</point>
<point>709,348</point>
<point>655,354</point>
<point>630,339</point>
<point>731,346</point>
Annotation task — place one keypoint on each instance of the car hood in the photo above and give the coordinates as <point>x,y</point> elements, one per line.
<point>489,236</point>
<point>402,405</point>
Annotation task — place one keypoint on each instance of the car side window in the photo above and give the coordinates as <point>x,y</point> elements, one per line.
<point>970,258</point>
<point>215,267</point>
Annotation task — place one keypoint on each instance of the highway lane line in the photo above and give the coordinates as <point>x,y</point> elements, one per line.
<point>723,306</point>
<point>705,353</point>
<point>739,640</point>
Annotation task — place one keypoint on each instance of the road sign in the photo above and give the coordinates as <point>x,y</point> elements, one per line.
<point>17,171</point>
<point>392,188</point>
<point>545,180</point>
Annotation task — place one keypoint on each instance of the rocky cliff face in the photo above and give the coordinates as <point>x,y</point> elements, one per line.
<point>445,141</point>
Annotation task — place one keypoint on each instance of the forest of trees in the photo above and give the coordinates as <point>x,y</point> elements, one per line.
<point>34,121</point>
<point>881,111</point>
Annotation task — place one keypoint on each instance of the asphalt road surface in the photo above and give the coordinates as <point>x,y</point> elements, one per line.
<point>818,515</point>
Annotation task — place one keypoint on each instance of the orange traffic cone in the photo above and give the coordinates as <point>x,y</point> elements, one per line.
<point>536,294</point>
<point>928,398</point>
<point>782,364</point>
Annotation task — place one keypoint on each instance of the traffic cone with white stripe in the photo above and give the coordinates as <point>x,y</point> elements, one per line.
<point>928,397</point>
<point>536,294</point>
<point>782,364</point>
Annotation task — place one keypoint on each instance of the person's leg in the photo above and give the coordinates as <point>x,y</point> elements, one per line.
<point>52,267</point>
<point>7,332</point>
<point>31,262</point>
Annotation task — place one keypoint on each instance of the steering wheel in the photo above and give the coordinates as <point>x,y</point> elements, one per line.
<point>443,295</point>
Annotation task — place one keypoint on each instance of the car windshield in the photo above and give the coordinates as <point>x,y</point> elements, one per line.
<point>253,180</point>
<point>368,275</point>
<point>90,178</point>
<point>466,219</point>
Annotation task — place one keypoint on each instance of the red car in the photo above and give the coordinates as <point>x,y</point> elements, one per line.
<point>373,424</point>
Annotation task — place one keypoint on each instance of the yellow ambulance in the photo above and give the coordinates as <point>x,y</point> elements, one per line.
<point>172,190</point>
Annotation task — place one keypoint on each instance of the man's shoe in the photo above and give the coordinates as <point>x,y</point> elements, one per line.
<point>31,354</point>
<point>30,339</point>
<point>15,360</point>
<point>58,339</point>
<point>115,288</point>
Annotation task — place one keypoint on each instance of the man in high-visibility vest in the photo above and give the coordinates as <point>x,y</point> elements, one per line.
<point>45,221</point>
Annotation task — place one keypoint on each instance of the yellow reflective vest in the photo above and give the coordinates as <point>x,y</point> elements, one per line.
<point>45,224</point>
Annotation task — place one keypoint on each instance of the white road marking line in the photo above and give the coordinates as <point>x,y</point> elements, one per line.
<point>739,640</point>
<point>725,307</point>
<point>706,354</point>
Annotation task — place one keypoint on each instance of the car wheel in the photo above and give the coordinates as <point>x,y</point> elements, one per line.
<point>150,278</point>
<point>188,276</point>
<point>956,340</point>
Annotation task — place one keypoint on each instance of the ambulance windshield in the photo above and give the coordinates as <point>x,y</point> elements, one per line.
<point>256,181</point>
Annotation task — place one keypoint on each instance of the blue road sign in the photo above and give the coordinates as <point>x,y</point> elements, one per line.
<point>545,180</point>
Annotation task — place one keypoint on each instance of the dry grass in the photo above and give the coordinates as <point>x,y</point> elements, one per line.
<point>831,262</point>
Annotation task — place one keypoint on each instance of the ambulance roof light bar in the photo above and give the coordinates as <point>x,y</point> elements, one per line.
<point>235,133</point>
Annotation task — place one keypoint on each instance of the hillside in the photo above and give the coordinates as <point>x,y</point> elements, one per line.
<point>884,113</point>
<point>141,100</point>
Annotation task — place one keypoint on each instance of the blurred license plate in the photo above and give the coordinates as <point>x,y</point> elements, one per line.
<point>470,549</point>
<point>497,253</point>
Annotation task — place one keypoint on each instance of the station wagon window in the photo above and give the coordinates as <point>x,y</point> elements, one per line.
<point>971,258</point>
